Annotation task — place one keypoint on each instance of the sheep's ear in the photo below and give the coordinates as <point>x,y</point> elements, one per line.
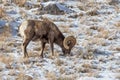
<point>69,42</point>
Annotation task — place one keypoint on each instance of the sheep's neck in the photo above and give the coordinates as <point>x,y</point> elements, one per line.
<point>60,41</point>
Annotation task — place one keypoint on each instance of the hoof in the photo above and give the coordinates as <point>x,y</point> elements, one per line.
<point>71,54</point>
<point>41,56</point>
<point>61,54</point>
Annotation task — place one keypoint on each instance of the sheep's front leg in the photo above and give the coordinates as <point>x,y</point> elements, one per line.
<point>51,41</point>
<point>43,46</point>
<point>52,46</point>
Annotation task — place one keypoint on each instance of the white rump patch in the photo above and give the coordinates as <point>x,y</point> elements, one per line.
<point>23,28</point>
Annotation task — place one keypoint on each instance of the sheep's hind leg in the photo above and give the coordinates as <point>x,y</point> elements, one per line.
<point>25,43</point>
<point>43,46</point>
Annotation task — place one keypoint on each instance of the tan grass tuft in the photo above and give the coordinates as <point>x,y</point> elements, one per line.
<point>92,12</point>
<point>2,12</point>
<point>23,76</point>
<point>118,76</point>
<point>86,65</point>
<point>59,62</point>
<point>33,54</point>
<point>6,59</point>
<point>117,24</point>
<point>50,76</point>
<point>62,70</point>
<point>67,77</point>
<point>20,2</point>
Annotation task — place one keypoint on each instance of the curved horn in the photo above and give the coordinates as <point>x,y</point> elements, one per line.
<point>69,42</point>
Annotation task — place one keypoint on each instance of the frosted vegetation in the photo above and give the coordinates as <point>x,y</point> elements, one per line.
<point>94,23</point>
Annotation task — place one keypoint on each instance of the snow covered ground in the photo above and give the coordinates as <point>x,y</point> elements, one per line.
<point>94,23</point>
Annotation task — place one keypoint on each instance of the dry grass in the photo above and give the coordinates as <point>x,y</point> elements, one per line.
<point>92,12</point>
<point>22,76</point>
<point>62,70</point>
<point>33,54</point>
<point>114,2</point>
<point>5,33</point>
<point>86,65</point>
<point>81,6</point>
<point>117,76</point>
<point>59,62</point>
<point>12,72</point>
<point>114,47</point>
<point>20,2</point>
<point>118,48</point>
<point>88,68</point>
<point>104,34</point>
<point>66,30</point>
<point>117,24</point>
<point>2,12</point>
<point>6,59</point>
<point>87,4</point>
<point>84,70</point>
<point>88,55</point>
<point>50,76</point>
<point>3,39</point>
<point>98,41</point>
<point>67,77</point>
<point>38,48</point>
<point>25,61</point>
<point>92,74</point>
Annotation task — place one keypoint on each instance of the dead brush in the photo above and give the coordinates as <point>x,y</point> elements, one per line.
<point>92,12</point>
<point>87,51</point>
<point>66,30</point>
<point>118,48</point>
<point>86,4</point>
<point>98,41</point>
<point>23,14</point>
<point>88,55</point>
<point>114,2</point>
<point>33,54</point>
<point>22,76</point>
<point>93,74</point>
<point>6,2</point>
<point>84,70</point>
<point>103,34</point>
<point>51,76</point>
<point>6,59</point>
<point>2,12</point>
<point>12,72</point>
<point>86,65</point>
<point>62,70</point>
<point>117,24</point>
<point>67,77</point>
<point>118,76</point>
<point>20,3</point>
<point>59,62</point>
<point>4,36</point>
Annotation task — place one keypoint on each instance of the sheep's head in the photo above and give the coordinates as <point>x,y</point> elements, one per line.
<point>69,42</point>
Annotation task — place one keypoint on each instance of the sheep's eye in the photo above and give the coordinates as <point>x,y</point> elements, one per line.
<point>68,43</point>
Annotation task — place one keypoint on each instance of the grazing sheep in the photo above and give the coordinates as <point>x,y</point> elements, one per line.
<point>47,32</point>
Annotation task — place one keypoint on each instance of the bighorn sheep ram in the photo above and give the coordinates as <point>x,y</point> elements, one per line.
<point>47,32</point>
